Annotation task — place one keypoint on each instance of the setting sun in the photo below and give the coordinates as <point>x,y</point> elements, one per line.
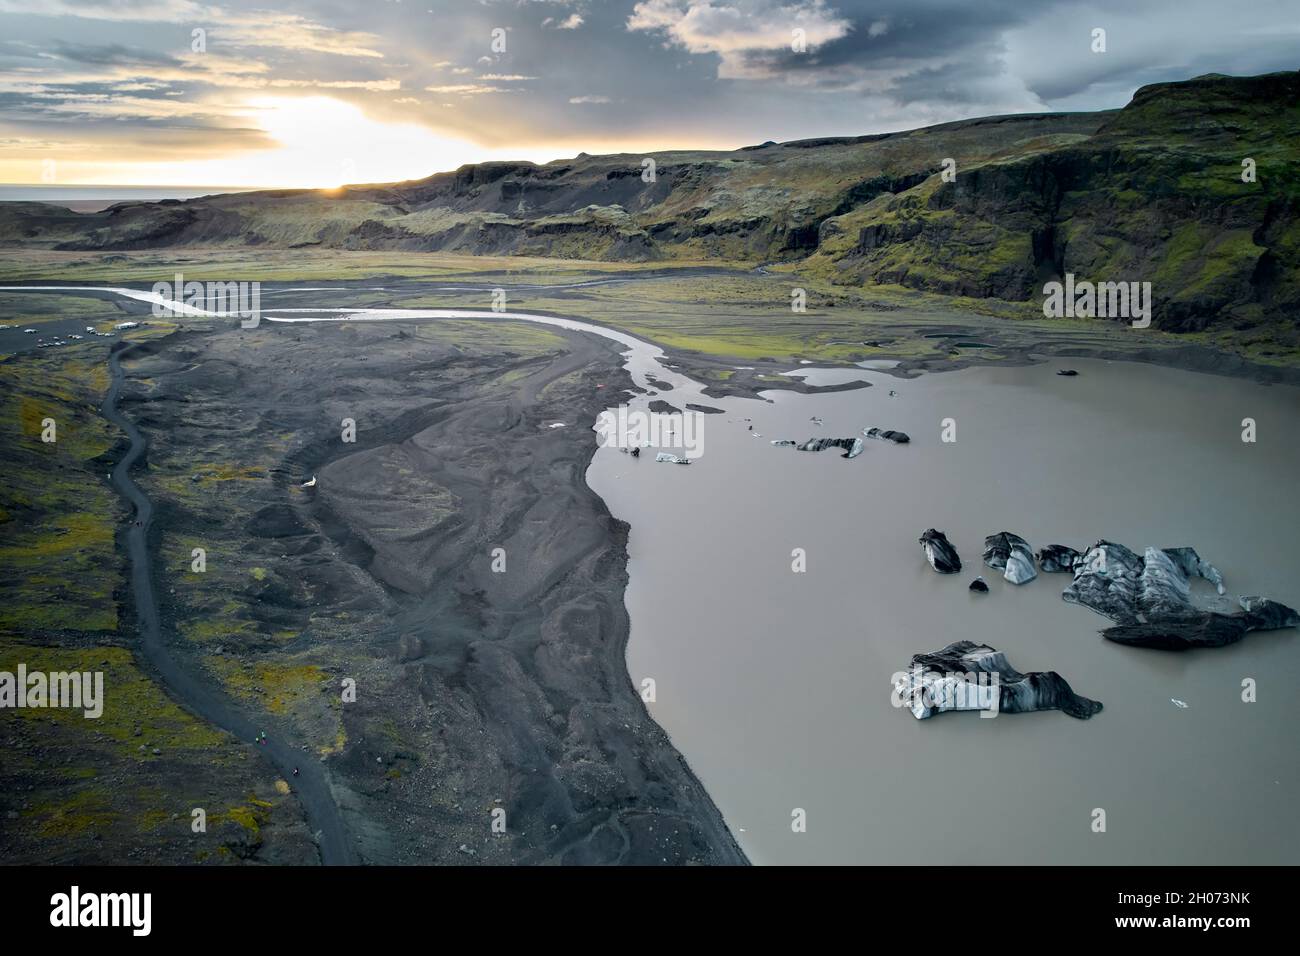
<point>324,142</point>
<point>315,142</point>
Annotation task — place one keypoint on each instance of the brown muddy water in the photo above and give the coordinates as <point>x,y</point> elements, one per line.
<point>776,685</point>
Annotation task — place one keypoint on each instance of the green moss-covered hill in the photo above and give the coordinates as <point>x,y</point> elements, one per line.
<point>1152,192</point>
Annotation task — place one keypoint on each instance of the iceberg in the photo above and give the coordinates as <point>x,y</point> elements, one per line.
<point>969,676</point>
<point>1010,554</point>
<point>887,434</point>
<point>939,552</point>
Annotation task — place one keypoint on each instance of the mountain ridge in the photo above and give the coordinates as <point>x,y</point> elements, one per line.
<point>1151,192</point>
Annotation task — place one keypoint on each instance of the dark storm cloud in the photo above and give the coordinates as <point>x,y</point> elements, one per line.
<point>957,82</point>
<point>943,52</point>
<point>904,34</point>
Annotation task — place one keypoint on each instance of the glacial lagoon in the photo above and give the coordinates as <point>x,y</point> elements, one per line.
<point>776,685</point>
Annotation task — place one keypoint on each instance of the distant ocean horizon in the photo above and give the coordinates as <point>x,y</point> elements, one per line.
<point>83,198</point>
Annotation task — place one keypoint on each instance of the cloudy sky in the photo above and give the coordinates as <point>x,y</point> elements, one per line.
<point>314,93</point>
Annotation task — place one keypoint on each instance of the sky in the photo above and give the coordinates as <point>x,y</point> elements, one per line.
<point>323,92</point>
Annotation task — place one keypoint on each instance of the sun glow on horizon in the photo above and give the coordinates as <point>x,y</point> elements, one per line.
<point>325,143</point>
<point>321,143</point>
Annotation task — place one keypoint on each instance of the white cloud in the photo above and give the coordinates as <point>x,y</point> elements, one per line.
<point>377,86</point>
<point>588,99</point>
<point>467,89</point>
<point>734,28</point>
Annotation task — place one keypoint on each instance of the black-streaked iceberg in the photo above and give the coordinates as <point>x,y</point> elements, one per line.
<point>939,552</point>
<point>1010,554</point>
<point>1149,599</point>
<point>852,446</point>
<point>887,434</point>
<point>969,676</point>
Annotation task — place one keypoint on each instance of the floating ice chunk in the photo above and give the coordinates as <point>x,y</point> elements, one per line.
<point>968,676</point>
<point>938,550</point>
<point>887,434</point>
<point>1010,554</point>
<point>852,446</point>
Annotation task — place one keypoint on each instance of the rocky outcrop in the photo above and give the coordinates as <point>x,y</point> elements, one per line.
<point>1010,554</point>
<point>1155,193</point>
<point>968,676</point>
<point>939,552</point>
<point>979,586</point>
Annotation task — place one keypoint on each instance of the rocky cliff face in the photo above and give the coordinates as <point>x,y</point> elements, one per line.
<point>1156,194</point>
<point>1151,193</point>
